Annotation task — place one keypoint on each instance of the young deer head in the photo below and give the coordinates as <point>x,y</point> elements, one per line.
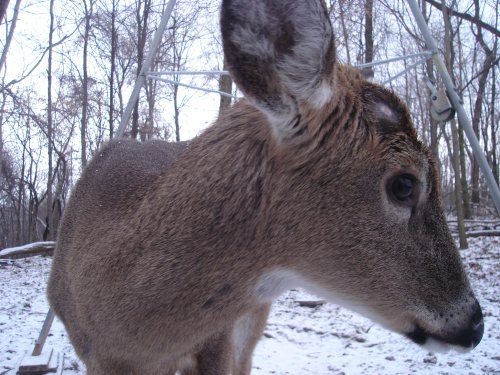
<point>169,256</point>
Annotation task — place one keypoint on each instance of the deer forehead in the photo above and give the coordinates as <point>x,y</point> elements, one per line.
<point>385,112</point>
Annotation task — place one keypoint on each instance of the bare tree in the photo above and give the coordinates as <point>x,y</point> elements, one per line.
<point>490,57</point>
<point>113,60</point>
<point>111,77</point>
<point>88,12</point>
<point>50,129</point>
<point>11,28</point>
<point>476,19</point>
<point>182,35</point>
<point>433,125</point>
<point>225,85</point>
<point>368,72</point>
<point>494,126</point>
<point>142,14</point>
<point>449,58</point>
<point>4,4</point>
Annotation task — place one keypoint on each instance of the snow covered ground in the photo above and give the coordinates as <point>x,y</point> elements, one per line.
<point>298,340</point>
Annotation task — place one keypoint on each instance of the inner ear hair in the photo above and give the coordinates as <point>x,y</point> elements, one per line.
<point>281,55</point>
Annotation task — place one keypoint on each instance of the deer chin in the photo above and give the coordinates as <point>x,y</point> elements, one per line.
<point>274,283</point>
<point>462,342</point>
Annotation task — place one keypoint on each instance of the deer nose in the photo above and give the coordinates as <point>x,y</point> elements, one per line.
<point>470,336</point>
<point>477,325</point>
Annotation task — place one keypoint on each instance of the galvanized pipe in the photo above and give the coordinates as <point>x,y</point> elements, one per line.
<point>463,117</point>
<point>145,68</point>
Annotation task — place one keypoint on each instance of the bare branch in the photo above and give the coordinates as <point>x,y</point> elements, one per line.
<point>11,30</point>
<point>465,16</point>
<point>62,40</point>
<point>4,4</point>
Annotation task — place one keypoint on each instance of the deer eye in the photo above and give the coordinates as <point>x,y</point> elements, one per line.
<point>402,188</point>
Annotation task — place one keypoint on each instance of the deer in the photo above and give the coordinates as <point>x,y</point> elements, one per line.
<point>169,255</point>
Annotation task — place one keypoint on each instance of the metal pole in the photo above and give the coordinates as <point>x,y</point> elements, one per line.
<point>412,66</point>
<point>463,118</point>
<point>188,72</point>
<point>427,54</point>
<point>145,67</point>
<point>49,318</point>
<point>177,83</point>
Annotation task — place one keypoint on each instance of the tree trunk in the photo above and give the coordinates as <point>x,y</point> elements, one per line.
<point>434,144</point>
<point>4,4</point>
<point>458,187</point>
<point>147,130</point>
<point>32,205</point>
<point>476,119</point>
<point>493,130</point>
<point>225,85</point>
<point>20,191</point>
<point>2,111</point>
<point>463,172</point>
<point>461,142</point>
<point>10,35</point>
<point>345,33</point>
<point>449,57</point>
<point>142,18</point>
<point>478,105</point>
<point>429,67</point>
<point>49,217</point>
<point>112,72</point>
<point>85,83</point>
<point>61,170</point>
<point>176,111</point>
<point>368,72</point>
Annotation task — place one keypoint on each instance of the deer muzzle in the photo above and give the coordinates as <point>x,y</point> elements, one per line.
<point>462,334</point>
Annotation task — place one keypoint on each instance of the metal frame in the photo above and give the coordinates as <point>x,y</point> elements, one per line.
<point>190,72</point>
<point>432,52</point>
<point>157,77</point>
<point>426,54</point>
<point>412,66</point>
<point>146,66</point>
<point>463,118</point>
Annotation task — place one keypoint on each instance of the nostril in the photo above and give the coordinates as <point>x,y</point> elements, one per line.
<point>477,333</point>
<point>477,325</point>
<point>477,317</point>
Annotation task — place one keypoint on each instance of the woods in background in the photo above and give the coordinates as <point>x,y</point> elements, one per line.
<point>65,83</point>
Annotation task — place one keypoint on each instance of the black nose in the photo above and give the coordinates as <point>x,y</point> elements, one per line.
<point>468,336</point>
<point>477,325</point>
<point>472,334</point>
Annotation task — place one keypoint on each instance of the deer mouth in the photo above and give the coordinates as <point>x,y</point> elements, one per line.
<point>466,338</point>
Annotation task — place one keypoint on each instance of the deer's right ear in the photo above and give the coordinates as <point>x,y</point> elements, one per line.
<point>281,54</point>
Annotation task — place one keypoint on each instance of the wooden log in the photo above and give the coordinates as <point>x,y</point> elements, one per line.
<point>29,250</point>
<point>483,233</point>
<point>311,304</point>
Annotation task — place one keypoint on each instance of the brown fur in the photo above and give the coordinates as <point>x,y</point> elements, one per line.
<point>169,255</point>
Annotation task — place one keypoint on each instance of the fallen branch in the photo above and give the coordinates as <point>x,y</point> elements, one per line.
<point>478,221</point>
<point>483,233</point>
<point>311,304</point>
<point>29,250</point>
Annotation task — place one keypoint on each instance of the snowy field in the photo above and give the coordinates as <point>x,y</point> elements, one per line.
<point>298,340</point>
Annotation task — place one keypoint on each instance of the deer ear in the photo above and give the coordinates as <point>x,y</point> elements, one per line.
<point>281,54</point>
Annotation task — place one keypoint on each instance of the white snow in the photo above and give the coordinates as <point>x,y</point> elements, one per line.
<point>298,340</point>
<point>44,358</point>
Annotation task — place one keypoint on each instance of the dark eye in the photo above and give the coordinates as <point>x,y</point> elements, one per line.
<point>403,187</point>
